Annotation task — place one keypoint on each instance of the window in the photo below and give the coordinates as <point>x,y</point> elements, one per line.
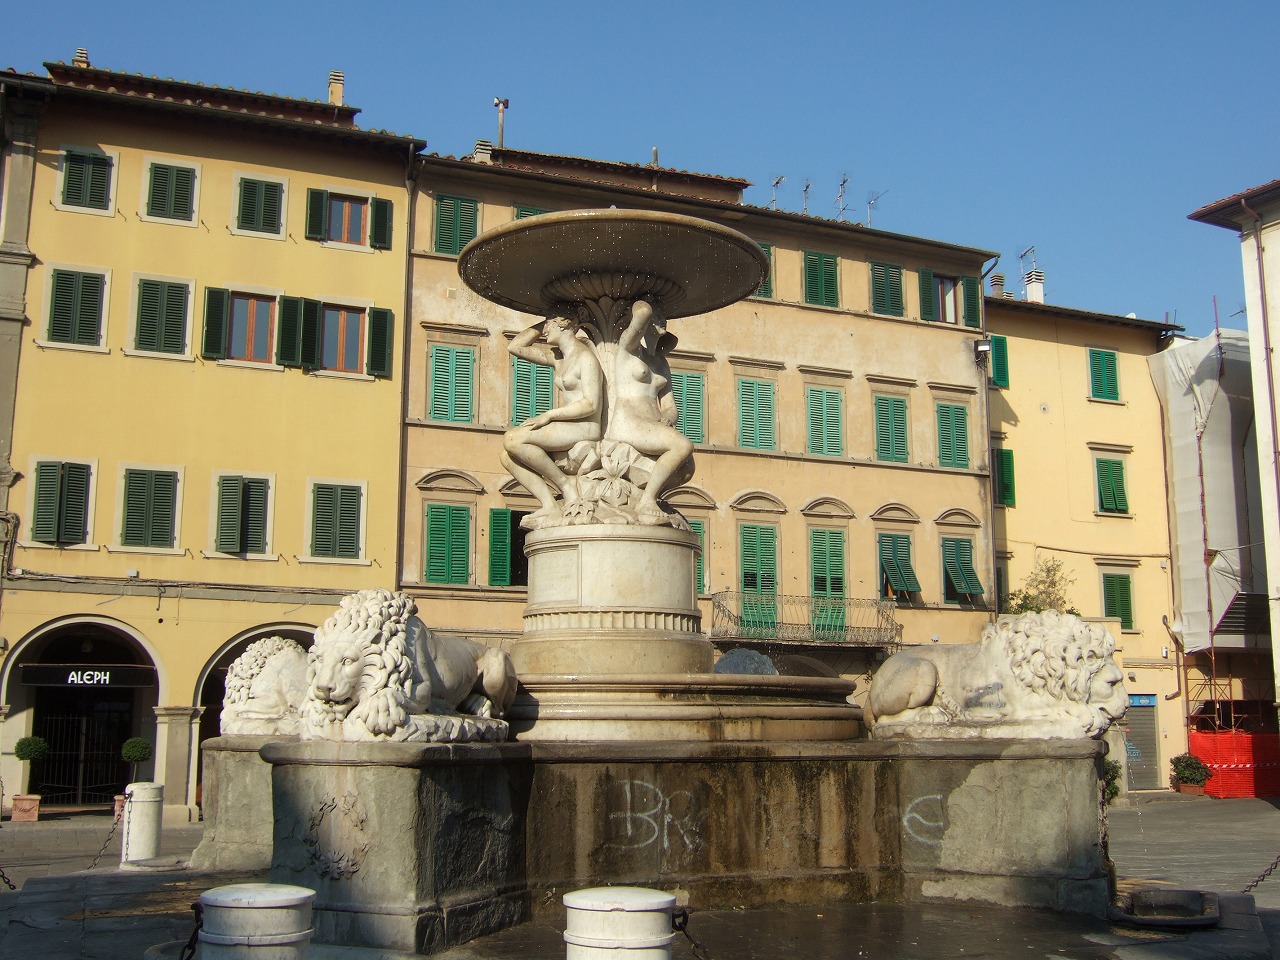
<point>699,527</point>
<point>162,317</point>
<point>758,576</point>
<point>337,218</point>
<point>1002,479</point>
<point>238,326</point>
<point>826,421</point>
<point>531,389</point>
<point>959,580</point>
<point>456,222</point>
<point>891,429</point>
<point>75,310</point>
<point>950,299</point>
<point>60,510</point>
<point>820,279</point>
<point>897,576</point>
<point>1111,495</point>
<point>687,390</point>
<point>953,435</point>
<point>335,521</point>
<point>766,285</point>
<point>523,211</point>
<point>448,543</point>
<point>886,289</point>
<point>755,414</point>
<point>322,336</point>
<point>342,339</point>
<point>171,192</point>
<point>86,179</point>
<point>261,204</point>
<point>242,514</point>
<point>826,566</point>
<point>1000,361</point>
<point>451,383</point>
<point>508,566</point>
<point>1117,598</point>
<point>150,508</point>
<point>1103,384</point>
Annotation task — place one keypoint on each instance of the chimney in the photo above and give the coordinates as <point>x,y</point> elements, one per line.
<point>997,284</point>
<point>336,80</point>
<point>1034,279</point>
<point>483,153</point>
<point>81,59</point>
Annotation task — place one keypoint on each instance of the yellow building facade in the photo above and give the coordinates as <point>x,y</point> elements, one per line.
<point>203,444</point>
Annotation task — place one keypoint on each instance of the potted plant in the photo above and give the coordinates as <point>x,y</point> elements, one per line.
<point>136,750</point>
<point>26,806</point>
<point>1189,774</point>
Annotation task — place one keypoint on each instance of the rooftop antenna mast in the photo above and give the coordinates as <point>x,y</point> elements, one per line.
<point>807,185</point>
<point>502,106</point>
<point>777,182</point>
<point>872,202</point>
<point>1022,257</point>
<point>841,207</point>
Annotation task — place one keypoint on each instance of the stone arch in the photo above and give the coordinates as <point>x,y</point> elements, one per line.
<point>757,501</point>
<point>451,480</point>
<point>828,508</point>
<point>22,650</point>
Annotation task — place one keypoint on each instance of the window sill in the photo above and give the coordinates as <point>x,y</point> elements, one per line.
<point>348,247</point>
<point>342,375</point>
<point>216,555</point>
<point>336,561</point>
<point>91,211</point>
<point>37,545</point>
<point>1113,513</point>
<point>74,347</point>
<point>172,221</point>
<point>1106,402</point>
<point>249,364</point>
<point>260,234</point>
<point>158,355</point>
<point>159,551</point>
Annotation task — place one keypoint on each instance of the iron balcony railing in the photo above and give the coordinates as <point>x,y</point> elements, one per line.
<point>783,618</point>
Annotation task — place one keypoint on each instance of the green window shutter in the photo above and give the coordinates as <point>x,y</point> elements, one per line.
<point>272,203</point>
<point>230,514</point>
<point>1117,598</point>
<point>451,383</point>
<point>1003,480</point>
<point>891,429</point>
<point>137,501</point>
<point>1000,361</point>
<point>182,205</point>
<point>820,270</point>
<point>972,294</point>
<point>247,213</point>
<point>895,562</point>
<point>48,500</point>
<point>747,430</point>
<point>766,285</point>
<point>687,388</point>
<point>324,520</point>
<point>459,544</point>
<point>524,211</point>
<point>64,306</point>
<point>217,313</point>
<point>825,421</point>
<point>957,564</point>
<point>700,529</point>
<point>73,512</point>
<point>381,337</point>
<point>150,296</point>
<point>309,339</point>
<point>758,576</point>
<point>953,435</point>
<point>1102,375</point>
<point>160,192</point>
<point>317,214</point>
<point>886,289</point>
<point>964,554</point>
<point>75,179</point>
<point>499,547</point>
<point>164,505</point>
<point>531,389</point>
<point>456,221</point>
<point>928,296</point>
<point>289,332</point>
<point>826,562</point>
<point>99,182</point>
<point>260,206</point>
<point>162,316</point>
<point>88,311</point>
<point>348,532</point>
<point>254,536</point>
<point>380,224</point>
<point>448,543</point>
<point>1111,492</point>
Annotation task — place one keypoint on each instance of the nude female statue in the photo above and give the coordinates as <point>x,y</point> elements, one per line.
<point>529,450</point>
<point>644,412</point>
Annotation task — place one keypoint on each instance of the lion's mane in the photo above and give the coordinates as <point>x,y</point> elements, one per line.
<point>246,667</point>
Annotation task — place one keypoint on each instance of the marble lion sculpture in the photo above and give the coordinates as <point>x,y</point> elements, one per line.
<point>265,688</point>
<point>377,672</point>
<point>1043,675</point>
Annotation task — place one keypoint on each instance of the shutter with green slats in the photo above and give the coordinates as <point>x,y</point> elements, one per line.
<point>957,564</point>
<point>953,435</point>
<point>928,296</point>
<point>687,388</point>
<point>448,543</point>
<point>289,332</point>
<point>75,312</point>
<point>766,285</point>
<point>324,520</point>
<point>254,535</point>
<point>972,301</point>
<point>86,180</point>
<point>456,221</point>
<point>699,528</point>
<point>820,279</point>
<point>230,514</point>
<point>1003,480</point>
<point>150,508</point>
<point>317,215</point>
<point>894,551</point>
<point>182,203</point>
<point>886,289</point>
<point>891,429</point>
<point>309,342</point>
<point>1117,598</point>
<point>1000,361</point>
<point>1111,492</point>
<point>250,203</point>
<point>758,575</point>
<point>381,337</point>
<point>260,206</point>
<point>499,546</point>
<point>73,511</point>
<point>162,316</point>
<point>348,534</point>
<point>164,504</point>
<point>380,224</point>
<point>826,563</point>
<point>48,499</point>
<point>171,192</point>
<point>825,421</point>
<point>523,211</point>
<point>451,383</point>
<point>755,414</point>
<point>1102,375</point>
<point>217,325</point>
<point>531,389</point>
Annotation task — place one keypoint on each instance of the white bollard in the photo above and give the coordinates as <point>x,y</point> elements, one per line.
<point>143,807</point>
<point>256,921</point>
<point>631,922</point>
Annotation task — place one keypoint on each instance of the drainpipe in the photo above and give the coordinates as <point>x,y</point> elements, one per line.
<point>411,187</point>
<point>991,510</point>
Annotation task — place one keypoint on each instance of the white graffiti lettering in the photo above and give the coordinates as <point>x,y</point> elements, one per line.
<point>643,815</point>
<point>925,820</point>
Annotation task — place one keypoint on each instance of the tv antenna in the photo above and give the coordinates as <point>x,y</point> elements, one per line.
<point>777,182</point>
<point>841,207</point>
<point>871,202</point>
<point>807,184</point>
<point>1022,257</point>
<point>502,106</point>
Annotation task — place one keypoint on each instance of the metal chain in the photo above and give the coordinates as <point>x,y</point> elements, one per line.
<point>680,922</point>
<point>189,949</point>
<point>4,878</point>
<point>1262,876</point>
<point>107,842</point>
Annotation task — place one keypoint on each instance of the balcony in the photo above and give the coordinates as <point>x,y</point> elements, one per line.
<point>805,621</point>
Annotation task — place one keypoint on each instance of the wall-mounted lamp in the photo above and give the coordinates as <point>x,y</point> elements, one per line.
<point>981,350</point>
<point>1132,677</point>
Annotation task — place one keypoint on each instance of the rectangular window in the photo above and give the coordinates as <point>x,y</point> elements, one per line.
<point>687,388</point>
<point>319,336</point>
<point>1000,361</point>
<point>755,414</point>
<point>448,543</point>
<point>826,566</point>
<point>242,514</point>
<point>338,218</point>
<point>826,421</point>
<point>959,580</point>
<point>171,192</point>
<point>1103,384</point>
<point>1117,598</point>
<point>766,285</point>
<point>886,289</point>
<point>699,527</point>
<point>897,576</point>
<point>260,206</point>
<point>252,328</point>
<point>456,223</point>
<point>86,180</point>
<point>820,279</point>
<point>951,300</point>
<point>347,219</point>
<point>891,429</point>
<point>335,521</point>
<point>758,576</point>
<point>508,566</point>
<point>150,508</point>
<point>162,316</point>
<point>1002,480</point>
<point>953,435</point>
<point>342,339</point>
<point>60,511</point>
<point>451,383</point>
<point>523,211</point>
<point>75,310</point>
<point>1111,495</point>
<point>531,389</point>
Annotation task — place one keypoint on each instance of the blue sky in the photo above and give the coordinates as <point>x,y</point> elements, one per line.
<point>1089,130</point>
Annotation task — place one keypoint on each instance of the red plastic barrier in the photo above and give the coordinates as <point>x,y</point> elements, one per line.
<point>1243,764</point>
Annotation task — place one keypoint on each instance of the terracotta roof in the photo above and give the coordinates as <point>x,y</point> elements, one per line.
<point>1228,212</point>
<point>1089,316</point>
<point>531,157</point>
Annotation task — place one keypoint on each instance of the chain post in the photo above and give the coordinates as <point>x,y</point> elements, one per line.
<point>680,923</point>
<point>1265,873</point>
<point>189,948</point>
<point>107,842</point>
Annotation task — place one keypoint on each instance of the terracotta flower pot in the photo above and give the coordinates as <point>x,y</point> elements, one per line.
<point>26,808</point>
<point>1191,789</point>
